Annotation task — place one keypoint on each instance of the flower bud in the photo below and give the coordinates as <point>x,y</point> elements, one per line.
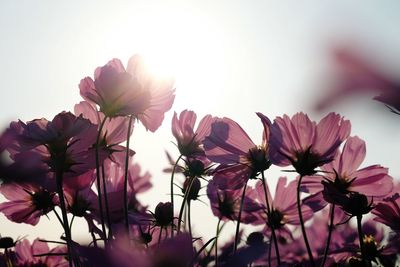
<point>164,214</point>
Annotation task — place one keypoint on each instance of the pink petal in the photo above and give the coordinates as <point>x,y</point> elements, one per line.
<point>331,132</point>
<point>88,90</point>
<point>89,112</point>
<point>162,98</point>
<point>352,156</point>
<point>115,63</point>
<point>227,142</point>
<point>373,181</point>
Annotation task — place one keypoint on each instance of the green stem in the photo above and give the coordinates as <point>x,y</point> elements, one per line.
<point>269,251</point>
<point>303,229</point>
<point>328,241</point>
<point>183,203</point>
<point>110,234</point>
<point>98,181</point>
<point>189,221</point>
<point>269,214</point>
<point>59,181</point>
<point>361,239</point>
<point>216,243</point>
<point>239,218</point>
<point>159,235</point>
<point>126,176</point>
<point>172,190</point>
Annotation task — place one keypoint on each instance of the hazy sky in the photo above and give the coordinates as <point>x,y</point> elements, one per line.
<point>230,58</point>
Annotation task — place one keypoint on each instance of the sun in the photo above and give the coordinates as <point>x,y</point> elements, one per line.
<point>181,44</point>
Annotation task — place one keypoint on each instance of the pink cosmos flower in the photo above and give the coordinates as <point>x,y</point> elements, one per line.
<point>131,91</point>
<point>137,183</point>
<point>283,207</point>
<point>344,175</point>
<point>304,144</point>
<point>190,142</point>
<point>27,202</point>
<point>388,212</point>
<point>240,159</point>
<point>81,200</point>
<point>356,76</point>
<point>65,143</point>
<point>114,132</point>
<point>225,204</point>
<point>25,254</point>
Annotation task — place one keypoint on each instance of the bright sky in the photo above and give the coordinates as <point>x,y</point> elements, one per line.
<point>230,58</point>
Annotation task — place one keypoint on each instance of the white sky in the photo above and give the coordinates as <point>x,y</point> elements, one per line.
<point>230,58</point>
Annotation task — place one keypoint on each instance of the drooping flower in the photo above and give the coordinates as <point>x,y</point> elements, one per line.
<point>304,144</point>
<point>27,202</point>
<point>131,91</point>
<point>190,142</point>
<point>239,158</point>
<point>344,176</point>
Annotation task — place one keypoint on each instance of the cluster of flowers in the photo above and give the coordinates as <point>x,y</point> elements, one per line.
<point>75,165</point>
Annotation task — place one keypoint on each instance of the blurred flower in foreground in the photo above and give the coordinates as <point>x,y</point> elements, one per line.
<point>355,76</point>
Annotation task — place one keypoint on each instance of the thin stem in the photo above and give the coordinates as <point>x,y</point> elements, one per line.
<point>59,218</point>
<point>361,238</point>
<point>8,260</point>
<point>239,218</point>
<point>219,231</point>
<point>183,203</point>
<point>269,214</point>
<point>328,241</point>
<point>59,181</point>
<point>103,227</point>
<point>172,189</point>
<point>103,176</point>
<point>216,243</point>
<point>303,229</point>
<point>126,176</point>
<point>189,221</point>
<point>70,224</point>
<point>159,235</point>
<point>269,251</point>
<point>93,239</point>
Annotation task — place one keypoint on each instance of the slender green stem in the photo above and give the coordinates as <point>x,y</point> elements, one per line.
<point>269,214</point>
<point>159,235</point>
<point>216,243</point>
<point>59,218</point>
<point>70,224</point>
<point>269,251</point>
<point>361,238</point>
<point>172,190</point>
<point>59,181</point>
<point>189,221</point>
<point>103,176</point>
<point>303,229</point>
<point>328,241</point>
<point>8,260</point>
<point>219,231</point>
<point>126,176</point>
<point>184,202</point>
<point>239,218</point>
<point>98,181</point>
